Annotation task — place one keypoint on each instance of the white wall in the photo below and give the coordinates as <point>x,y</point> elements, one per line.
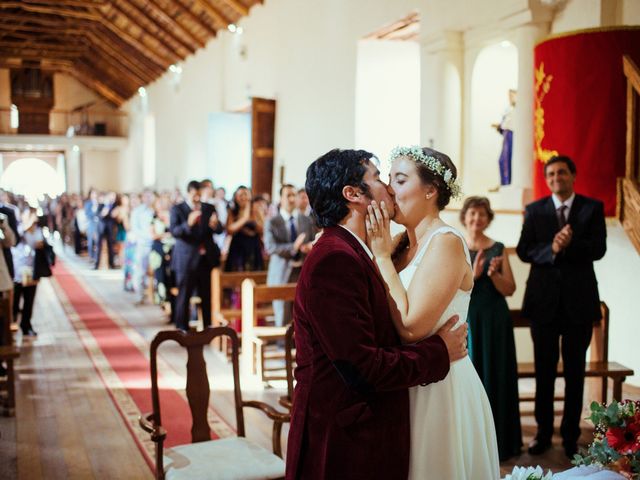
<point>387,97</point>
<point>100,169</point>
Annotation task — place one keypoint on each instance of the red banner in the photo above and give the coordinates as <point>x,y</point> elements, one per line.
<point>580,107</point>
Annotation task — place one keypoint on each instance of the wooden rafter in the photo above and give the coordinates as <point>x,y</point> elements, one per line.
<point>171,23</point>
<point>138,44</point>
<point>122,62</point>
<point>70,3</point>
<point>194,18</point>
<point>157,31</point>
<point>35,54</point>
<point>105,35</point>
<point>63,12</point>
<point>238,7</point>
<point>107,76</point>
<point>222,20</point>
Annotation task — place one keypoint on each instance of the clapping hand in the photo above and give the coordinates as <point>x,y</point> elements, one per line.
<point>298,241</point>
<point>213,221</point>
<point>495,266</point>
<point>194,216</point>
<point>378,230</point>
<point>562,239</point>
<point>478,265</point>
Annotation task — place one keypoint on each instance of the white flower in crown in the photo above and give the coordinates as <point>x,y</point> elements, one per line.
<point>432,163</point>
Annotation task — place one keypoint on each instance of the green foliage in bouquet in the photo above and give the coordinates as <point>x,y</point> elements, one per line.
<point>616,440</point>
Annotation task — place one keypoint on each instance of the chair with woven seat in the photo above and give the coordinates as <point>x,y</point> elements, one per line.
<point>229,458</point>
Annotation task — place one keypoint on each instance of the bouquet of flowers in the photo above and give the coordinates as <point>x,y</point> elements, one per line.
<point>616,440</point>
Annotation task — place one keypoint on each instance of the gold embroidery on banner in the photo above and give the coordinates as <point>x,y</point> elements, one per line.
<point>543,85</point>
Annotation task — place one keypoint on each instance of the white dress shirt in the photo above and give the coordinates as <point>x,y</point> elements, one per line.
<point>364,245</point>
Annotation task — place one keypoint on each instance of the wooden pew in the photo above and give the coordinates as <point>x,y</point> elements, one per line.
<point>254,337</point>
<point>598,365</point>
<point>8,354</point>
<point>221,316</point>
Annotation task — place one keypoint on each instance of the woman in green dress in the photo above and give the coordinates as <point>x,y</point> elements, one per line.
<point>491,343</point>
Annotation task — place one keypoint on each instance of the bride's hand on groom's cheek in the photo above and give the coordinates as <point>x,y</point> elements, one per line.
<point>378,232</point>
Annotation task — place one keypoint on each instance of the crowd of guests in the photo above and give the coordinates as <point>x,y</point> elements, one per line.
<point>179,237</point>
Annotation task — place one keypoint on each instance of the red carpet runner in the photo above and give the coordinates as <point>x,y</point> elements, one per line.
<point>123,366</point>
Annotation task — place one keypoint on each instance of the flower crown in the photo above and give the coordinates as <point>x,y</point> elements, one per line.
<point>432,163</point>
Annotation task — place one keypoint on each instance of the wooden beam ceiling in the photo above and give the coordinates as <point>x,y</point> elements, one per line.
<point>111,46</point>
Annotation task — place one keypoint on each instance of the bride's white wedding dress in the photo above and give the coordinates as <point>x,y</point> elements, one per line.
<point>452,432</point>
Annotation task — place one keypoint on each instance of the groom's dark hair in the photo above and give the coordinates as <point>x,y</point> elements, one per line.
<point>327,176</point>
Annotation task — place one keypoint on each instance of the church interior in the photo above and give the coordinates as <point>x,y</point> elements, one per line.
<point>134,99</point>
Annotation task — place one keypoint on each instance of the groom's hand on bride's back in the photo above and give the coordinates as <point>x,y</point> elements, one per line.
<point>455,340</point>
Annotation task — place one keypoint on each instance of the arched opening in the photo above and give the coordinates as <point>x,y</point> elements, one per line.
<point>33,178</point>
<point>495,72</point>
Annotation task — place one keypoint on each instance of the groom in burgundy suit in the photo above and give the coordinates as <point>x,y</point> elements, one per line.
<point>350,415</point>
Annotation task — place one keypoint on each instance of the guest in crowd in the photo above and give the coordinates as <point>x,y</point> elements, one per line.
<point>244,227</point>
<point>125,243</point>
<point>491,342</point>
<point>222,207</point>
<point>91,206</point>
<point>287,239</point>
<point>106,229</point>
<point>25,284</point>
<point>80,224</point>
<point>9,210</point>
<point>64,219</point>
<point>195,254</point>
<point>562,235</point>
<point>7,240</point>
<point>141,234</point>
<point>160,256</point>
<point>302,202</point>
<point>207,193</point>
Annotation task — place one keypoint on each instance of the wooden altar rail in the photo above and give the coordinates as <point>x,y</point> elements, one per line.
<point>598,365</point>
<point>628,201</point>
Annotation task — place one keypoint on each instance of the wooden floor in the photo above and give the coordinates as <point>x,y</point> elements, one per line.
<point>66,424</point>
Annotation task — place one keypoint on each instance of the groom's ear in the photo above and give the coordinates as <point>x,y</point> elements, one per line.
<point>352,194</point>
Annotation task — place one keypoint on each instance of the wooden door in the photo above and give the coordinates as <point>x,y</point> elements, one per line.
<point>263,122</point>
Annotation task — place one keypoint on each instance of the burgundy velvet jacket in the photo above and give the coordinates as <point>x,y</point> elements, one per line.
<point>350,415</point>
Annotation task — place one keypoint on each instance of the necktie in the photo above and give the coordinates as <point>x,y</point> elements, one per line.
<point>292,228</point>
<point>562,219</point>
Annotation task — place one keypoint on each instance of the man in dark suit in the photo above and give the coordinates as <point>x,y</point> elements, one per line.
<point>287,238</point>
<point>350,416</point>
<point>562,236</point>
<point>193,224</point>
<point>106,229</point>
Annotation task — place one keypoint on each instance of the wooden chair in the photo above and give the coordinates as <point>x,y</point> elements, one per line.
<point>255,338</point>
<point>8,354</point>
<point>221,316</point>
<point>290,358</point>
<point>598,365</point>
<point>227,458</point>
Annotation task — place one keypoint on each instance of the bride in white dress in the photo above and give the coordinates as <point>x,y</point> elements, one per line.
<point>452,431</point>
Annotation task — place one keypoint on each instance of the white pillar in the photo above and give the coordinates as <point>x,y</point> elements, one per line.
<point>525,37</point>
<point>441,93</point>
